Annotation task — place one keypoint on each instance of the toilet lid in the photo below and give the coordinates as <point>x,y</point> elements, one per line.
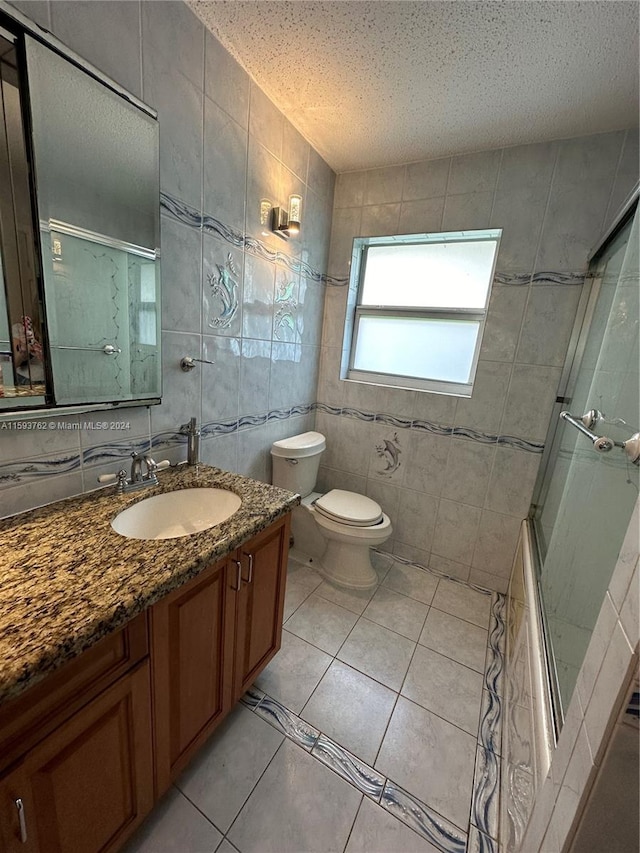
<point>349,508</point>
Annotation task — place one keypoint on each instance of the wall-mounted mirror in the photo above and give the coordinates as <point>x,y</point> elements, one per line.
<point>81,319</point>
<point>22,367</point>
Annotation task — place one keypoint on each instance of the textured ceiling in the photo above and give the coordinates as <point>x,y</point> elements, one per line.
<point>376,83</point>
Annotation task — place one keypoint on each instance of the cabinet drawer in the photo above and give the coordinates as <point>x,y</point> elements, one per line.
<point>35,713</point>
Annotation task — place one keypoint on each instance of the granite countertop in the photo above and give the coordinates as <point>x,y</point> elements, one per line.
<point>67,578</point>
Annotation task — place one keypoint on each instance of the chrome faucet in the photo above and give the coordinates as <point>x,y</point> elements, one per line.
<point>138,480</point>
<point>192,431</point>
<point>140,459</point>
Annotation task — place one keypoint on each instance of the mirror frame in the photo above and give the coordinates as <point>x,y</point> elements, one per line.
<point>17,24</point>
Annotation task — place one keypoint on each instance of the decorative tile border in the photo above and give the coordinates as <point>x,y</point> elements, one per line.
<point>520,279</point>
<point>480,843</point>
<point>403,805</point>
<point>407,562</point>
<point>391,420</point>
<point>415,814</point>
<point>351,768</point>
<point>486,783</point>
<point>484,802</point>
<point>191,217</point>
<point>65,462</point>
<point>493,678</point>
<point>290,724</point>
<point>432,428</point>
<point>252,698</point>
<point>15,473</point>
<point>490,735</point>
<point>424,820</point>
<point>12,473</point>
<point>497,626</point>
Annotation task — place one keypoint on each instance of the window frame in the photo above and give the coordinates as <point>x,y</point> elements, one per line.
<point>356,310</point>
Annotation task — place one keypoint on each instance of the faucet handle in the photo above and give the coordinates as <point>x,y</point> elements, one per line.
<point>153,466</point>
<point>150,462</point>
<point>121,477</point>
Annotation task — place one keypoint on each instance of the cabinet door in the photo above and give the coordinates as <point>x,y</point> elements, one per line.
<point>192,640</point>
<point>89,784</point>
<point>31,716</point>
<point>260,603</point>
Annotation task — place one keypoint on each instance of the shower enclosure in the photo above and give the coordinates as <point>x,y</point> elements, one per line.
<point>589,486</point>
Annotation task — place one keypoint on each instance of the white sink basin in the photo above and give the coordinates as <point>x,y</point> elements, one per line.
<point>178,513</point>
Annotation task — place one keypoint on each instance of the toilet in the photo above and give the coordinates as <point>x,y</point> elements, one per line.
<point>333,532</point>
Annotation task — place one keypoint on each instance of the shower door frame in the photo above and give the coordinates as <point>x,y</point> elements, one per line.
<point>566,387</point>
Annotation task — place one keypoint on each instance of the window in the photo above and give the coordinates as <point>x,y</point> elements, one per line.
<point>418,304</point>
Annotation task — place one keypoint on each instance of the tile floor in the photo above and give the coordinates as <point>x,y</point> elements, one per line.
<point>376,729</point>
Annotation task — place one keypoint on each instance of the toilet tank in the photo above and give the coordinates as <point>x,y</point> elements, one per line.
<point>296,461</point>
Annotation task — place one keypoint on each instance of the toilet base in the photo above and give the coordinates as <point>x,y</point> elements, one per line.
<point>304,559</point>
<point>348,565</point>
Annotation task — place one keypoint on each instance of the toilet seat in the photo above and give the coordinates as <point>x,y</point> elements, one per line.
<point>349,508</point>
<point>372,535</point>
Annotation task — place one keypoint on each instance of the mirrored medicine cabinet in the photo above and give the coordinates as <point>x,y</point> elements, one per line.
<point>79,235</point>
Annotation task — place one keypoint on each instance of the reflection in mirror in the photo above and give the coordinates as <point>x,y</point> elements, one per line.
<point>22,369</point>
<point>102,313</point>
<point>96,158</point>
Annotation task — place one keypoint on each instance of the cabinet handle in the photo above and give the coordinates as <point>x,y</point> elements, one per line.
<point>236,588</point>
<point>250,556</point>
<point>21,820</point>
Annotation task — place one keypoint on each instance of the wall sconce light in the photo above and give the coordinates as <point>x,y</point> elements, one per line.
<point>285,223</point>
<point>265,216</point>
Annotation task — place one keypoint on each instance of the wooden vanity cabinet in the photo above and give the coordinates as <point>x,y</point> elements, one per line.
<point>192,637</point>
<point>87,783</point>
<point>86,752</point>
<point>260,604</point>
<point>209,640</point>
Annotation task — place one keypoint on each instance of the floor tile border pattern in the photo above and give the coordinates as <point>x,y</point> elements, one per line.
<point>407,562</point>
<point>399,802</point>
<point>415,814</point>
<point>481,843</point>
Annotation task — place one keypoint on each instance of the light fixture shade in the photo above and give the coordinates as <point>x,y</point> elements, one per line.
<point>295,213</point>
<point>286,223</point>
<point>265,210</point>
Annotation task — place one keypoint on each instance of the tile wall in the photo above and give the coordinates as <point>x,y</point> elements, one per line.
<point>456,475</point>
<point>223,147</point>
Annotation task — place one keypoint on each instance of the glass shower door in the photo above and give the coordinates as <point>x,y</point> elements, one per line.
<point>588,496</point>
